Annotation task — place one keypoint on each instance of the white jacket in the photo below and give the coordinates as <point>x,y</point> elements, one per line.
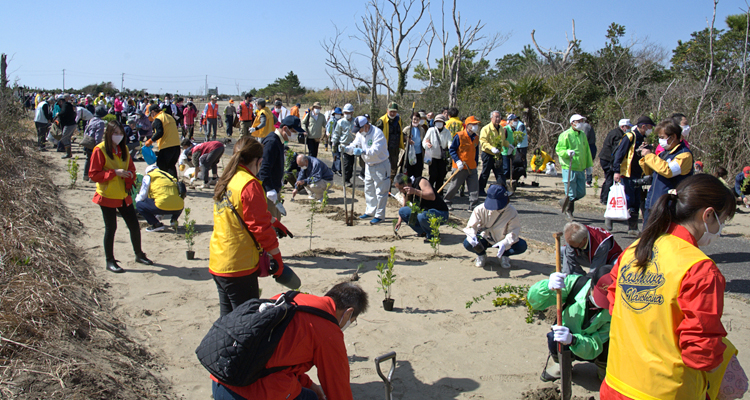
<point>373,144</point>
<point>145,184</point>
<point>506,225</point>
<point>432,135</point>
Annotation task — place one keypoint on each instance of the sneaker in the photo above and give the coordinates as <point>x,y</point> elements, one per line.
<point>348,184</point>
<point>361,178</point>
<point>505,262</point>
<point>551,374</point>
<point>363,216</point>
<point>633,232</point>
<point>309,196</point>
<point>174,224</point>
<point>588,184</point>
<point>86,178</point>
<point>205,186</point>
<point>449,205</point>
<point>375,221</point>
<point>156,228</point>
<point>479,262</point>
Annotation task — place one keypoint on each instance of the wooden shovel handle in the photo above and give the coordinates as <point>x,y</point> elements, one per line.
<point>558,268</point>
<point>448,181</point>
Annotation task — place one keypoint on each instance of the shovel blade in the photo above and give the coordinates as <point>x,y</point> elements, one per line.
<point>566,375</point>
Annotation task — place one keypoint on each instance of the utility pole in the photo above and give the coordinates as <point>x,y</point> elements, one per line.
<point>63,88</point>
<point>122,83</point>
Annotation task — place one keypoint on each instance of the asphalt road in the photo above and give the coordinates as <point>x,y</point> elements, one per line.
<point>540,219</point>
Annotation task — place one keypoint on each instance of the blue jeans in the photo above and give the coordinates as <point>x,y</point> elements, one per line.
<point>633,196</point>
<point>220,392</point>
<point>517,248</point>
<point>147,208</point>
<point>423,219</point>
<point>575,184</point>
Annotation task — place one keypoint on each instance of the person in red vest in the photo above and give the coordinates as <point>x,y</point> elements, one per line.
<point>309,340</point>
<point>588,246</point>
<point>245,112</point>
<point>212,117</point>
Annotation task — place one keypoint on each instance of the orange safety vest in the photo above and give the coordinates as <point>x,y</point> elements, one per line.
<point>212,110</point>
<point>246,112</point>
<point>467,150</point>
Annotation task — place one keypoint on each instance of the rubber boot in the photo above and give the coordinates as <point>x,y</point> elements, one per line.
<point>569,211</point>
<point>68,153</point>
<point>633,225</point>
<point>551,373</point>
<point>601,369</point>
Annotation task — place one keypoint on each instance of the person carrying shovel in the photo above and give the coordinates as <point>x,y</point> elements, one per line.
<point>585,328</point>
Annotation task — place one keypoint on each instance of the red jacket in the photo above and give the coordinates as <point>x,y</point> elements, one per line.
<point>207,147</point>
<point>98,174</point>
<point>308,341</point>
<point>597,236</point>
<point>188,115</point>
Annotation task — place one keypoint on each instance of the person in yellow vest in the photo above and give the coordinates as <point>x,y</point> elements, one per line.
<point>211,110</point>
<point>159,195</point>
<point>540,160</point>
<point>666,337</point>
<point>167,137</point>
<point>392,128</point>
<point>463,151</point>
<point>263,124</point>
<point>243,230</point>
<point>454,124</point>
<point>491,161</point>
<point>114,173</point>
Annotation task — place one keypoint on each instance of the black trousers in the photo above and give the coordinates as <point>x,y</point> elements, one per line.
<point>110,227</point>
<point>417,168</point>
<point>41,132</point>
<point>490,164</point>
<point>234,291</point>
<point>348,166</point>
<point>167,158</point>
<point>437,173</point>
<point>312,146</point>
<point>609,178</point>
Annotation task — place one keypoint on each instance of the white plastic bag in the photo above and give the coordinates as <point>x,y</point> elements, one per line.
<point>427,157</point>
<point>617,204</point>
<point>550,169</point>
<point>412,155</point>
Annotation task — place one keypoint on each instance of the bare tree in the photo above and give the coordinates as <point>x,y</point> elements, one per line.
<point>399,29</point>
<point>711,64</point>
<point>557,59</point>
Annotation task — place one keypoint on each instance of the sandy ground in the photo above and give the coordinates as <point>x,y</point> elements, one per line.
<point>444,350</point>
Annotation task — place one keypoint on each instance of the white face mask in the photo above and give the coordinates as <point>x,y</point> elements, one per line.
<point>117,139</point>
<point>303,168</point>
<point>514,124</point>
<point>316,111</point>
<point>473,128</point>
<point>648,132</point>
<point>685,131</point>
<point>414,124</point>
<point>707,236</point>
<point>439,125</point>
<point>346,325</point>
<point>336,117</point>
<point>664,143</point>
<point>348,116</point>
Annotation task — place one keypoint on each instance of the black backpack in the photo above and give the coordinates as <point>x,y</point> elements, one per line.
<point>237,347</point>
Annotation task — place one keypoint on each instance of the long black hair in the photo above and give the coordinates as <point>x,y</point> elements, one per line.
<point>692,195</point>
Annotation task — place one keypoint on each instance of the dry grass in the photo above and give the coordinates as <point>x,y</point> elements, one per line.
<point>56,340</point>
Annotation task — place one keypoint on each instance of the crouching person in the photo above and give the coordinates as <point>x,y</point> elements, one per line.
<point>309,340</point>
<point>418,189</point>
<point>494,224</point>
<point>588,246</point>
<point>159,195</point>
<point>314,176</point>
<point>585,314</point>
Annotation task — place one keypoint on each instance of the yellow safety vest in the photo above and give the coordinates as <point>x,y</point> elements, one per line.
<point>263,132</point>
<point>163,189</point>
<point>386,129</point>
<point>115,187</point>
<point>232,248</point>
<point>645,361</point>
<point>171,137</point>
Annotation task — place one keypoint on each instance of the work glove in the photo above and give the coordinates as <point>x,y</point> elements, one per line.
<point>556,281</point>
<point>251,130</point>
<point>282,230</point>
<point>272,195</point>
<point>277,266</point>
<point>494,150</point>
<point>500,248</point>
<point>562,334</point>
<point>148,143</point>
<point>357,151</point>
<point>571,153</point>
<point>472,240</point>
<point>460,165</point>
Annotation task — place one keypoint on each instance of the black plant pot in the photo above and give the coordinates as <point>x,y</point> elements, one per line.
<point>190,255</point>
<point>535,184</point>
<point>388,304</point>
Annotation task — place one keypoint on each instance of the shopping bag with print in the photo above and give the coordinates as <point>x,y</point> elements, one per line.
<point>617,205</point>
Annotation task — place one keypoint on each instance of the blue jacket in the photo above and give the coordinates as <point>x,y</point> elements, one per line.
<point>272,167</point>
<point>738,184</point>
<point>316,171</point>
<point>660,184</point>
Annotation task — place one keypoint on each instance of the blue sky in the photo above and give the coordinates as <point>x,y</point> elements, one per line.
<point>171,46</point>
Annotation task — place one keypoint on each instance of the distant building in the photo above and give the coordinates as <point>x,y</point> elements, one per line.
<point>214,91</point>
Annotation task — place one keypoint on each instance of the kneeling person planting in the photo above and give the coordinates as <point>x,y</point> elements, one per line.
<point>159,195</point>
<point>430,202</point>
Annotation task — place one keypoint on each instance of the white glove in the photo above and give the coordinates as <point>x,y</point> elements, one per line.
<point>272,195</point>
<point>341,148</point>
<point>556,281</point>
<point>495,150</point>
<point>562,334</point>
<point>460,165</point>
<point>251,130</point>
<point>500,248</point>
<point>571,153</point>
<point>473,241</point>
<point>192,180</point>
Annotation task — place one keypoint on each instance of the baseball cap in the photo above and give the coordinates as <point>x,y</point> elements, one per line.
<point>577,117</point>
<point>645,121</point>
<point>746,171</point>
<point>497,198</point>
<point>359,122</point>
<point>292,122</point>
<point>511,116</point>
<point>472,120</point>
<point>600,281</point>
<point>624,121</point>
<point>393,107</point>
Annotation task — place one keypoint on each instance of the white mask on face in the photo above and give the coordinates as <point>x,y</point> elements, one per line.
<point>664,143</point>
<point>346,325</point>
<point>439,125</point>
<point>648,132</point>
<point>303,168</point>
<point>348,116</point>
<point>591,299</point>
<point>315,111</point>
<point>707,236</point>
<point>117,139</point>
<point>473,128</point>
<point>685,131</point>
<point>514,124</point>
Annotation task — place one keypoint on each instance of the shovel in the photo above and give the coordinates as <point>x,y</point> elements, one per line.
<point>349,214</point>
<point>448,180</point>
<point>347,221</point>
<point>388,381</point>
<point>563,353</point>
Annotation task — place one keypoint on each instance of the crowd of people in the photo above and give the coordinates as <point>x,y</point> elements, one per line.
<point>614,299</point>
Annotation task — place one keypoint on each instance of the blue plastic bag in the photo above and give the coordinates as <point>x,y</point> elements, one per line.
<point>148,154</point>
